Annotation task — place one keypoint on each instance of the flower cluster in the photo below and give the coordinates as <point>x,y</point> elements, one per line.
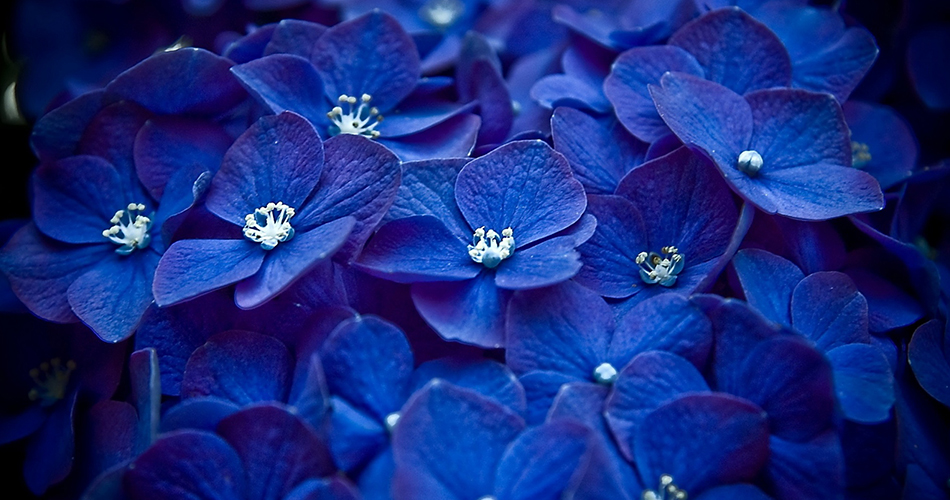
<point>494,250</point>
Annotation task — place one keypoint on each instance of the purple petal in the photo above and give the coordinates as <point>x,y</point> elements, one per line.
<point>428,188</point>
<point>284,82</point>
<point>75,198</point>
<point>368,362</point>
<point>610,255</point>
<point>287,263</point>
<point>278,159</point>
<point>368,55</point>
<point>56,134</point>
<point>470,311</point>
<point>703,440</point>
<point>666,323</point>
<point>190,268</point>
<point>197,413</point>
<point>453,138</point>
<point>112,296</point>
<point>360,179</point>
<point>503,189</point>
<point>278,450</point>
<point>184,81</point>
<point>827,308</point>
<point>167,145</point>
<point>187,463</point>
<point>891,143</point>
<point>839,67</point>
<point>449,442</point>
<point>627,86</point>
<point>547,263</point>
<point>417,249</point>
<point>736,51</point>
<point>565,329</point>
<point>767,282</point>
<point>241,367</point>
<point>806,469</point>
<point>293,36</point>
<point>486,377</point>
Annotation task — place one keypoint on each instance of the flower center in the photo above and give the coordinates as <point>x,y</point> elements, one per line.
<point>749,162</point>
<point>269,225</point>
<point>51,381</point>
<point>358,120</point>
<point>129,229</point>
<point>860,154</point>
<point>489,249</point>
<point>605,374</point>
<point>666,491</point>
<point>660,269</point>
<point>442,13</point>
<point>391,420</point>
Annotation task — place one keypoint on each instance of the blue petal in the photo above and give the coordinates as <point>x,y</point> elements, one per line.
<point>541,390</point>
<point>199,413</point>
<point>864,383</point>
<point>147,396</point>
<point>504,189</point>
<point>309,396</point>
<point>291,260</point>
<point>448,443</point>
<point>187,463</point>
<point>486,377</point>
<point>278,159</point>
<point>827,308</point>
<point>610,255</point>
<point>547,263</point>
<point>417,249</point>
<point>665,323</point>
<point>56,134</point>
<point>293,36</point>
<point>166,145</point>
<point>278,450</point>
<point>284,82</point>
<point>470,311</point>
<point>703,440</point>
<point>806,469</point>
<point>928,360</point>
<point>76,198</point>
<point>368,55</point>
<point>428,188</point>
<point>112,296</point>
<point>49,454</point>
<point>839,67</point>
<point>455,137</point>
<point>767,281</point>
<point>190,268</point>
<point>241,367</point>
<point>355,437</point>
<point>333,488</point>
<point>599,153</point>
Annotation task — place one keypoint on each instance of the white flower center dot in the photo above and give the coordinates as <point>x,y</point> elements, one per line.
<point>489,249</point>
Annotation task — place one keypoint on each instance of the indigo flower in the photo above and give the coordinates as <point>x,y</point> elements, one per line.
<point>295,211</point>
<point>500,227</point>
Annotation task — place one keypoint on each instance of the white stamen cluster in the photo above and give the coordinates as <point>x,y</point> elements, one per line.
<point>358,120</point>
<point>666,491</point>
<point>489,249</point>
<point>269,225</point>
<point>51,381</point>
<point>660,269</point>
<point>129,229</point>
<point>442,13</point>
<point>749,162</point>
<point>860,154</point>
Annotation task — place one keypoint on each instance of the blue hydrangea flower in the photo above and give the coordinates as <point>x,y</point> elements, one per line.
<point>785,151</point>
<point>493,233</point>
<point>295,209</point>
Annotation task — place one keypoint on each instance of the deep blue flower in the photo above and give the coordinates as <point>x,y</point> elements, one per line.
<point>295,211</point>
<point>581,84</point>
<point>500,227</point>
<point>352,76</point>
<point>928,358</point>
<point>667,229</point>
<point>785,151</point>
<point>623,24</point>
<point>882,143</point>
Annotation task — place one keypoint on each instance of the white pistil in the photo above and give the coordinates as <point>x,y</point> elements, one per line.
<point>860,154</point>
<point>660,269</point>
<point>605,374</point>
<point>666,491</point>
<point>269,225</point>
<point>391,420</point>
<point>442,13</point>
<point>129,229</point>
<point>749,162</point>
<point>358,120</point>
<point>51,387</point>
<point>489,249</point>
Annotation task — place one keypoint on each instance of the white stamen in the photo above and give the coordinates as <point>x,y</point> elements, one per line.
<point>129,229</point>
<point>860,154</point>
<point>269,225</point>
<point>55,379</point>
<point>360,120</point>
<point>391,420</point>
<point>666,491</point>
<point>660,269</point>
<point>605,374</point>
<point>486,249</point>
<point>749,162</point>
<point>442,13</point>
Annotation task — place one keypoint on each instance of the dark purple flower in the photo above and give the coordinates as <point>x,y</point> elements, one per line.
<point>882,143</point>
<point>785,151</point>
<point>295,211</point>
<point>500,229</point>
